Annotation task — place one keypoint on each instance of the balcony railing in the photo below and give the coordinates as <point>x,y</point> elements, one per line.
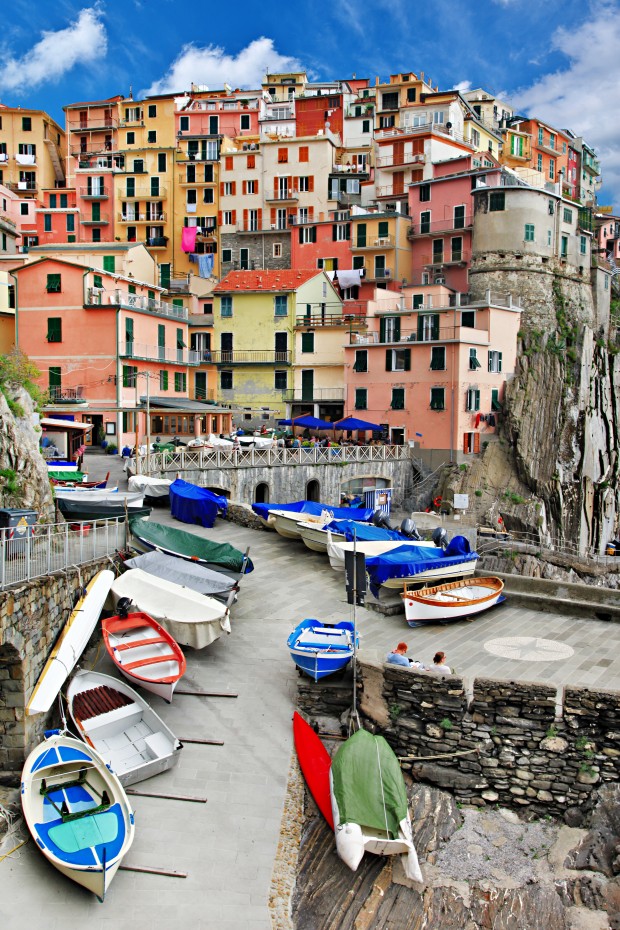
<point>94,193</point>
<point>299,396</point>
<point>399,161</point>
<point>67,395</point>
<point>439,226</point>
<point>156,242</point>
<point>141,217</point>
<point>17,186</point>
<point>143,193</point>
<point>250,357</point>
<point>166,354</point>
<point>183,179</point>
<point>388,190</point>
<point>282,197</point>
<point>466,334</point>
<point>102,220</point>
<point>378,274</point>
<point>272,227</point>
<point>29,161</point>
<point>96,122</point>
<point>319,321</point>
<point>454,257</point>
<point>98,297</point>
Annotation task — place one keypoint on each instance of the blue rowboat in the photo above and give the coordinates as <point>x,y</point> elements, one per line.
<point>320,649</point>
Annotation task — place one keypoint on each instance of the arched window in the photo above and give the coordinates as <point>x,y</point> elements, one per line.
<point>313,490</point>
<point>261,495</point>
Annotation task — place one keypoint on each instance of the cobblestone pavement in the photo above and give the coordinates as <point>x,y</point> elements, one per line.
<point>228,845</point>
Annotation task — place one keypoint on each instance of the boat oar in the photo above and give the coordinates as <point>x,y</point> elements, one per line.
<point>166,797</point>
<point>149,870</point>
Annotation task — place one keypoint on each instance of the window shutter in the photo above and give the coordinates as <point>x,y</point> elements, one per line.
<point>465,443</point>
<point>295,183</point>
<point>435,333</point>
<point>233,188</point>
<point>334,232</point>
<point>273,216</point>
<point>234,222</point>
<point>301,235</point>
<point>311,213</point>
<point>476,442</point>
<point>420,327</point>
<point>490,359</point>
<point>382,329</point>
<point>477,400</point>
<point>348,231</point>
<point>396,330</point>
<point>256,185</point>
<point>259,218</point>
<point>229,163</point>
<point>407,359</point>
<point>311,183</point>
<point>499,361</point>
<point>244,187</point>
<point>388,359</point>
<point>313,234</point>
<point>245,219</point>
<point>275,187</point>
<point>219,218</point>
<point>221,188</point>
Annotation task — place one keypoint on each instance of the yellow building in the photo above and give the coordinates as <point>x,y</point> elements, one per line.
<point>255,315</point>
<point>379,245</point>
<point>33,151</point>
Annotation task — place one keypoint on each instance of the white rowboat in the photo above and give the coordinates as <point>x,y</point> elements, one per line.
<point>452,600</point>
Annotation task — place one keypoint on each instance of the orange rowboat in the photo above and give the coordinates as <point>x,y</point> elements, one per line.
<point>144,652</point>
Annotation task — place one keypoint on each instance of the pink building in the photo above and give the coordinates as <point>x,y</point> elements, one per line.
<point>103,343</point>
<point>58,217</point>
<point>431,370</point>
<point>608,235</point>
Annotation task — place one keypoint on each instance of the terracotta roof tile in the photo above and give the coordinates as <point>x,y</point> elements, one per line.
<point>285,280</point>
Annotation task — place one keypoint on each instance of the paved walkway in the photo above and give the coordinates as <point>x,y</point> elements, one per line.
<point>227,846</point>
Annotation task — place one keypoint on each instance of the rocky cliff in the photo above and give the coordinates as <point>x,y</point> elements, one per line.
<point>24,482</point>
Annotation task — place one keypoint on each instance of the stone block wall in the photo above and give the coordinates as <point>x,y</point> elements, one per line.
<point>31,617</point>
<point>517,744</point>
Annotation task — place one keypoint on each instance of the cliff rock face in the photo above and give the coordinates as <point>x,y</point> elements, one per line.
<point>560,422</point>
<point>25,483</point>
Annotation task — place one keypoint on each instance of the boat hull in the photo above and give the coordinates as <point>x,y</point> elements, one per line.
<point>91,852</point>
<point>452,601</point>
<point>336,550</point>
<point>315,763</point>
<point>315,537</point>
<point>290,524</point>
<point>131,641</point>
<point>320,650</point>
<point>462,570</point>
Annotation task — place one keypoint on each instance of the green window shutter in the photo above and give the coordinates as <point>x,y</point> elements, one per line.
<point>70,222</point>
<point>499,361</point>
<point>54,378</point>
<point>407,359</point>
<point>53,284</point>
<point>96,215</point>
<point>63,201</point>
<point>301,235</point>
<point>384,229</point>
<point>180,340</point>
<point>54,329</point>
<point>161,341</point>
<point>307,342</point>
<point>490,361</point>
<point>97,280</point>
<point>109,263</point>
<point>382,329</point>
<point>495,405</point>
<point>361,402</point>
<point>177,381</point>
<point>47,222</point>
<point>388,359</point>
<point>151,295</point>
<point>398,399</point>
<point>127,376</point>
<point>435,332</point>
<point>361,234</point>
<point>334,232</point>
<point>132,288</point>
<point>420,327</point>
<point>129,331</point>
<point>163,380</point>
<point>397,330</point>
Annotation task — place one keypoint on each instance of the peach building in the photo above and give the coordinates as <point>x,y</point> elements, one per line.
<point>431,370</point>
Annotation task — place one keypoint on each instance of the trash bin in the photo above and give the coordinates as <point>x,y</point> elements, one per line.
<point>16,525</point>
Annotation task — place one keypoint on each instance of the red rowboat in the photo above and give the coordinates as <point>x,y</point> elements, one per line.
<point>144,652</point>
<point>315,762</point>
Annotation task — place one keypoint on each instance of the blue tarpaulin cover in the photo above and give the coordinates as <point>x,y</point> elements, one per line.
<point>316,509</point>
<point>363,531</point>
<point>411,560</point>
<point>192,504</point>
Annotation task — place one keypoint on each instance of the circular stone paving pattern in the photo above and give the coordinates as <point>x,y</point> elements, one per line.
<point>528,649</point>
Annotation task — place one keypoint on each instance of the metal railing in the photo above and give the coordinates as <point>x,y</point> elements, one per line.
<point>452,224</point>
<point>153,353</point>
<point>98,297</point>
<point>92,193</point>
<point>250,357</point>
<point>165,463</point>
<point>157,217</point>
<point>53,547</point>
<point>299,396</point>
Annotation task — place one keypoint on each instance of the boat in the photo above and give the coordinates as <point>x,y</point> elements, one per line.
<point>155,490</point>
<point>370,547</point>
<point>80,492</point>
<point>192,619</point>
<point>71,643</point>
<point>193,504</point>
<point>408,565</point>
<point>320,649</point>
<point>61,465</point>
<point>143,651</point>
<point>77,811</point>
<point>149,535</point>
<point>290,525</point>
<point>187,574</point>
<point>452,600</point>
<point>67,476</point>
<point>127,733</point>
<point>314,762</point>
<point>267,517</point>
<point>76,511</point>
<point>79,484</point>
<point>369,803</point>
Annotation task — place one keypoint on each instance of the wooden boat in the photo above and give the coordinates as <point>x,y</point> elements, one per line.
<point>314,762</point>
<point>321,649</point>
<point>71,643</point>
<point>149,535</point>
<point>127,733</point>
<point>452,600</point>
<point>77,811</point>
<point>191,618</point>
<point>143,651</point>
<point>187,574</point>
<point>369,803</point>
<point>81,484</point>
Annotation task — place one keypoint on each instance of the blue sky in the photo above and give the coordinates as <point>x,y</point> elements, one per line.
<point>558,60</point>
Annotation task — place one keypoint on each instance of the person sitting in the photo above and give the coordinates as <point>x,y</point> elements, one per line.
<point>399,655</point>
<point>439,666</point>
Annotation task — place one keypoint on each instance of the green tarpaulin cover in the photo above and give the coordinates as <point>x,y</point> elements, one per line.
<point>169,539</point>
<point>368,784</point>
<point>75,476</point>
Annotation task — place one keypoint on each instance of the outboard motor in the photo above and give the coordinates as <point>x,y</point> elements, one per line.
<point>381,519</point>
<point>408,528</point>
<point>124,603</point>
<point>440,537</point>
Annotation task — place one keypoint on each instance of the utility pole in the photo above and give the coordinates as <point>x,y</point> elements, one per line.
<point>147,375</point>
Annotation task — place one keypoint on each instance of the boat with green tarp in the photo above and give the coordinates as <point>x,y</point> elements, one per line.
<point>148,535</point>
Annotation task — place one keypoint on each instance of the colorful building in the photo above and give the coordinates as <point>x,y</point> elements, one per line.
<point>32,151</point>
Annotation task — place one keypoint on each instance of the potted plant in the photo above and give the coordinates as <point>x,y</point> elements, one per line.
<point>112,448</point>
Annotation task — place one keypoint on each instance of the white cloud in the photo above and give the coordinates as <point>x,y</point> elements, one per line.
<point>583,96</point>
<point>462,87</point>
<point>213,67</point>
<point>82,42</point>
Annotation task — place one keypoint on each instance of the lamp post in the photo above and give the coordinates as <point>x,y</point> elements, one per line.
<point>147,375</point>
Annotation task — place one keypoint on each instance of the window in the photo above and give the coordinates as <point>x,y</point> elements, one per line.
<point>564,247</point>
<point>459,217</point>
<point>53,284</point>
<point>307,234</point>
<point>97,235</point>
<point>582,245</point>
<point>425,193</point>
<point>307,342</point>
<point>109,263</point>
<point>548,237</point>
<point>130,375</point>
<point>418,301</point>
<point>495,404</point>
<point>438,358</point>
<point>184,124</point>
<point>152,111</point>
<point>497,201</point>
<point>398,359</point>
<point>226,380</point>
<point>361,398</point>
<point>539,163</point>
<point>151,136</point>
<point>53,200</point>
<point>208,195</point>
<point>227,188</point>
<point>47,222</point>
<point>280,381</point>
<point>98,281</point>
<point>54,376</point>
<point>23,209</point>
<point>365,125</point>
<point>398,399</point>
<point>437,251</point>
<point>131,138</point>
<point>304,153</point>
<point>428,327</point>
<point>411,93</point>
<point>280,303</point>
<point>244,122</point>
<point>551,140</point>
<point>438,398</point>
<point>386,122</point>
<point>475,138</point>
<point>161,162</point>
<point>341,232</point>
<point>282,156</point>
<point>552,168</point>
<point>472,400</point>
<point>551,207</point>
<point>277,250</point>
<point>54,329</point>
<point>568,215</point>
<point>180,382</point>
<point>516,146</point>
<point>227,217</point>
<point>70,222</point>
<point>541,137</point>
<point>495,361</point>
<point>361,360</point>
<point>26,124</point>
<point>251,187</point>
<point>473,360</point>
<point>529,232</point>
<point>456,253</point>
<point>227,305</point>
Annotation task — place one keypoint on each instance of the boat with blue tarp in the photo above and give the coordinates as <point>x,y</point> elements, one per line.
<point>313,509</point>
<point>410,564</point>
<point>193,504</point>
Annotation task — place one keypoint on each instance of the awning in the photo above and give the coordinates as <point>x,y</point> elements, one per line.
<point>352,423</point>
<point>51,423</point>
<point>312,423</point>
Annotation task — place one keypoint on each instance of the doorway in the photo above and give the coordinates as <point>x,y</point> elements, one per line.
<point>92,438</point>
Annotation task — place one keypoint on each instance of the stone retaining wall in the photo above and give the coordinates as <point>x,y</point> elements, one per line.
<point>517,744</point>
<point>31,617</point>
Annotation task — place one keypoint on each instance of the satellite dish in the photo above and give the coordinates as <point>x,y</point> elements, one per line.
<point>448,126</point>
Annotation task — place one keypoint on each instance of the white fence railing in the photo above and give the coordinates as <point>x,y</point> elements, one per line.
<point>53,547</point>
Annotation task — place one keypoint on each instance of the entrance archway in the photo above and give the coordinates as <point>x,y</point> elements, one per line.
<point>313,490</point>
<point>261,495</point>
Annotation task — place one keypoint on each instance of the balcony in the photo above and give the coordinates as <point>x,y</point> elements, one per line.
<point>388,190</point>
<point>456,257</point>
<point>401,161</point>
<point>549,149</point>
<point>156,242</point>
<point>320,321</point>
<point>94,193</point>
<point>465,334</point>
<point>94,123</point>
<point>299,396</point>
<point>96,147</point>
<point>439,226</point>
<point>383,242</point>
<point>591,165</point>
<point>143,193</point>
<point>142,217</point>
<point>17,186</point>
<point>272,228</point>
<point>29,161</point>
<point>66,395</point>
<point>183,179</point>
<point>102,220</point>
<point>282,197</point>
<point>379,274</point>
<point>150,353</point>
<point>283,113</point>
<point>344,199</point>
<point>98,297</point>
<point>357,171</point>
<point>250,357</point>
